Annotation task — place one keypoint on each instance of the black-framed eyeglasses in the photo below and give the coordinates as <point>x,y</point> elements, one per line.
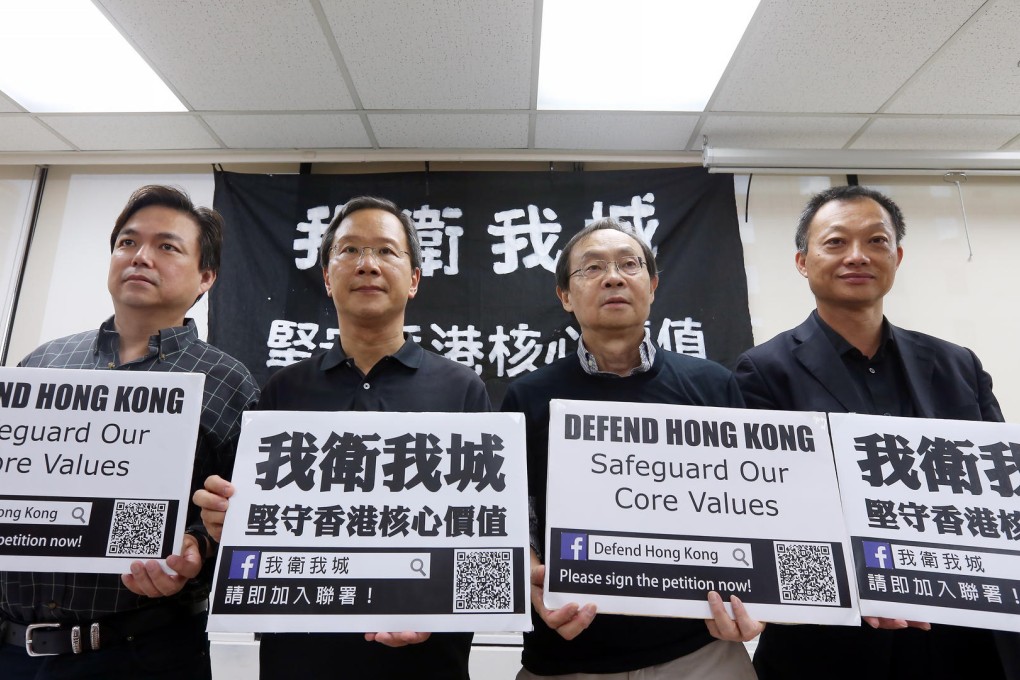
<point>596,269</point>
<point>351,254</point>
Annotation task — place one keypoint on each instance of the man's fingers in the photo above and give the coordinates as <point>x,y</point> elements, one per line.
<point>741,628</point>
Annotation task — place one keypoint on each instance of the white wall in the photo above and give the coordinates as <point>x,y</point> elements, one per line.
<point>16,184</point>
<point>938,291</point>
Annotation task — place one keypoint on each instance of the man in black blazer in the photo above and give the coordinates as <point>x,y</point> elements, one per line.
<point>846,357</point>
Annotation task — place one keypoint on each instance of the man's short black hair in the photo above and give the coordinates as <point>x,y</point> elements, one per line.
<point>847,193</point>
<point>210,222</point>
<point>371,203</point>
<point>563,264</point>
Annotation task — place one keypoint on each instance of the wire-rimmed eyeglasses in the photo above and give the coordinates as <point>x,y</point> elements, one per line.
<point>596,269</point>
<point>352,254</point>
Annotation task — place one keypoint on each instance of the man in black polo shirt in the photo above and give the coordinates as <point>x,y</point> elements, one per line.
<point>846,357</point>
<point>371,260</point>
<point>606,278</point>
<point>165,253</point>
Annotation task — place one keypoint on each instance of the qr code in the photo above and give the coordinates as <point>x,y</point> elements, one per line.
<point>137,529</point>
<point>482,581</point>
<point>807,573</point>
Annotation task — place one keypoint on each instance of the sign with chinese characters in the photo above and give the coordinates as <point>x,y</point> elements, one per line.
<point>651,506</point>
<point>934,518</point>
<point>95,467</point>
<point>368,522</point>
<point>490,241</point>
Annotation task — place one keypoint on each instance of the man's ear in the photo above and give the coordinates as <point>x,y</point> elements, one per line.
<point>800,260</point>
<point>325,279</point>
<point>208,279</point>
<point>564,296</point>
<point>415,280</point>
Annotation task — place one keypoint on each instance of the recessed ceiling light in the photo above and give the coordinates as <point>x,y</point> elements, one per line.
<point>64,56</point>
<point>638,55</point>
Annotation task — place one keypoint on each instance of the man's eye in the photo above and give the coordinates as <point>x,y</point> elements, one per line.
<point>595,268</point>
<point>350,250</point>
<point>386,251</point>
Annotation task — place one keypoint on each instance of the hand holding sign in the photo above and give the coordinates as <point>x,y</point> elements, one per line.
<point>213,500</point>
<point>571,619</point>
<point>149,579</point>
<point>740,628</point>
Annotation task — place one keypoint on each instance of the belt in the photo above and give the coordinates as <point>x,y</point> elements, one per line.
<point>50,639</point>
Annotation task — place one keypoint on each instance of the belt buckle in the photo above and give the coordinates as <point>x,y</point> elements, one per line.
<point>28,638</point>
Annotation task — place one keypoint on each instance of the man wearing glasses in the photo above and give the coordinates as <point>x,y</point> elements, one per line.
<point>606,278</point>
<point>371,266</point>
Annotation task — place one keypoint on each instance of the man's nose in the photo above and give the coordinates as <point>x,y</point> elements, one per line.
<point>856,253</point>
<point>142,255</point>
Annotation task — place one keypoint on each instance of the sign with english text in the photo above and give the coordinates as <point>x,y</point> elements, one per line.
<point>933,509</point>
<point>95,467</point>
<point>651,506</point>
<point>370,521</point>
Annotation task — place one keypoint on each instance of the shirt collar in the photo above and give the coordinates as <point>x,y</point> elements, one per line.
<point>167,342</point>
<point>842,346</point>
<point>410,354</point>
<point>590,366</point>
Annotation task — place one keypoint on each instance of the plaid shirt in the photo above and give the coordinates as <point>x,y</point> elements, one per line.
<point>229,389</point>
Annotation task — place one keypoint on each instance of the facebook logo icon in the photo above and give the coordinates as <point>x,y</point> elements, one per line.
<point>244,564</point>
<point>877,555</point>
<point>573,546</point>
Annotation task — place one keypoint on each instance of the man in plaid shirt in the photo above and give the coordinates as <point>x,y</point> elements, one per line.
<point>165,256</point>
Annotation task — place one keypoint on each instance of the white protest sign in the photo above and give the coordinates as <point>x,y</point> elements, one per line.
<point>934,518</point>
<point>95,467</point>
<point>650,506</point>
<point>368,521</point>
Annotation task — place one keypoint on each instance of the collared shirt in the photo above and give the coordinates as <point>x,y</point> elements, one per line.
<point>229,390</point>
<point>880,380</point>
<point>412,380</point>
<point>646,350</point>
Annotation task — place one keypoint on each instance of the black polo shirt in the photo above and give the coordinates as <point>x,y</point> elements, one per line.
<point>410,380</point>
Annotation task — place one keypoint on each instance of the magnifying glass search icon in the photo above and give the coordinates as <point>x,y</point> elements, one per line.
<point>740,556</point>
<point>78,513</point>
<point>418,565</point>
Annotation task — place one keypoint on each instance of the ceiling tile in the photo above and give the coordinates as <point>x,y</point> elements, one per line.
<point>845,57</point>
<point>981,63</point>
<point>251,55</point>
<point>132,131</point>
<point>298,131</point>
<point>7,104</point>
<point>613,131</point>
<point>443,54</point>
<point>450,130</point>
<point>780,132</point>
<point>958,134</point>
<point>22,133</point>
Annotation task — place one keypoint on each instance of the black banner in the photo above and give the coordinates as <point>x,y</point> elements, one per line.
<point>490,242</point>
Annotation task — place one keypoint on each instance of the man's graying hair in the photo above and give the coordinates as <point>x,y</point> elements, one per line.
<point>563,264</point>
<point>847,193</point>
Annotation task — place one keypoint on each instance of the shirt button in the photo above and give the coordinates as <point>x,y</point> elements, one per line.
<point>871,370</point>
<point>52,605</point>
<point>366,386</point>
